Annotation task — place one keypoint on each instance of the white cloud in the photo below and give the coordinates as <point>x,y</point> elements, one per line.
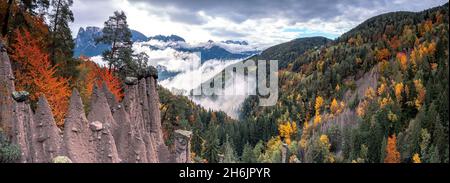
<point>199,25</point>
<point>99,61</point>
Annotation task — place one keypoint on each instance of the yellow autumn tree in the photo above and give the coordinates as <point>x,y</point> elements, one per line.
<point>287,130</point>
<point>382,89</point>
<point>324,140</point>
<point>383,102</point>
<point>317,120</point>
<point>398,90</point>
<point>324,143</point>
<point>421,92</point>
<point>305,134</point>
<point>370,93</point>
<point>334,107</point>
<point>425,27</point>
<point>383,54</point>
<point>416,158</point>
<point>319,104</point>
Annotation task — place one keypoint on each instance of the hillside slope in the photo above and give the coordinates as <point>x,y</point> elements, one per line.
<point>386,80</point>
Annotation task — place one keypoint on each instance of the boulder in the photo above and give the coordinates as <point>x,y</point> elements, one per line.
<point>61,159</point>
<point>96,126</point>
<point>151,72</point>
<point>20,96</point>
<point>131,81</point>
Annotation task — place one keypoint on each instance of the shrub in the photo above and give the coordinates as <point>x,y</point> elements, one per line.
<point>9,153</point>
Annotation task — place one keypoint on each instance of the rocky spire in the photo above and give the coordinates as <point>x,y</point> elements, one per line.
<point>112,102</point>
<point>153,124</point>
<point>46,137</point>
<point>154,111</point>
<point>182,146</point>
<point>136,105</point>
<point>130,144</point>
<point>103,138</point>
<point>22,129</point>
<point>6,89</point>
<point>76,132</point>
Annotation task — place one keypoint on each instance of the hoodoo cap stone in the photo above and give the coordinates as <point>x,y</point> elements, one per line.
<point>151,72</point>
<point>20,96</point>
<point>183,133</point>
<point>131,81</point>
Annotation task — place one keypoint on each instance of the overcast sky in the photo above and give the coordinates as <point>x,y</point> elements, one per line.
<point>260,22</point>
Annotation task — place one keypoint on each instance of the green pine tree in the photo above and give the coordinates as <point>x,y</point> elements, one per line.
<point>29,6</point>
<point>210,147</point>
<point>117,34</point>
<point>383,150</point>
<point>62,44</point>
<point>229,155</point>
<point>258,150</point>
<point>247,154</point>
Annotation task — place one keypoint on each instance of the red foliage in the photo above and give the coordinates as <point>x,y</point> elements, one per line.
<point>112,82</point>
<point>36,75</point>
<point>97,75</point>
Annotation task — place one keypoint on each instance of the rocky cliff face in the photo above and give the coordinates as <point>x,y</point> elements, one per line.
<point>112,132</point>
<point>6,88</point>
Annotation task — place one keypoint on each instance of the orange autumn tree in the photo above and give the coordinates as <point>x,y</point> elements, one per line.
<point>36,75</point>
<point>403,61</point>
<point>392,154</point>
<point>112,82</point>
<point>383,54</point>
<point>92,74</point>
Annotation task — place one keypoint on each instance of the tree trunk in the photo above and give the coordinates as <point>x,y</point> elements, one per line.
<point>55,21</point>
<point>6,20</point>
<point>113,49</point>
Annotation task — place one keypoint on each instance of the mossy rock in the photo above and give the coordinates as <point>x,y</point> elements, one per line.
<point>61,159</point>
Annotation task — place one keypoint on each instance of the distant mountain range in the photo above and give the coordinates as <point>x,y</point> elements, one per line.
<point>85,41</point>
<point>224,50</point>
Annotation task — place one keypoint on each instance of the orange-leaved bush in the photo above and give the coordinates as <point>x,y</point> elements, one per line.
<point>112,81</point>
<point>35,74</point>
<point>392,154</point>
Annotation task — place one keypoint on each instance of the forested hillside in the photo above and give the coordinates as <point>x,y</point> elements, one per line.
<point>291,50</point>
<point>378,93</point>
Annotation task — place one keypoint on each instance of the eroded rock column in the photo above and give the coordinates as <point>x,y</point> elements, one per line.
<point>183,146</point>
